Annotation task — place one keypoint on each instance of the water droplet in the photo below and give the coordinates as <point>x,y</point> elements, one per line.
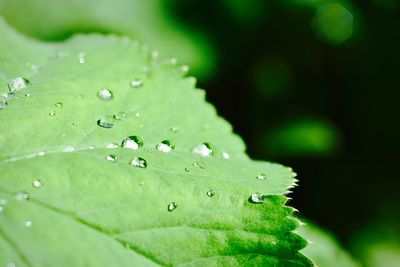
<point>106,122</point>
<point>226,155</point>
<point>120,116</point>
<point>138,162</point>
<point>132,142</point>
<point>28,224</point>
<point>257,198</point>
<point>165,146</point>
<point>59,105</point>
<point>27,95</point>
<point>22,196</point>
<point>69,148</point>
<point>199,164</point>
<point>52,113</point>
<point>172,206</point>
<point>82,57</point>
<point>203,149</point>
<point>136,83</point>
<point>112,145</point>
<point>175,129</point>
<point>185,68</point>
<point>91,147</point>
<point>75,124</point>
<point>17,84</point>
<point>173,61</point>
<point>41,153</point>
<point>187,169</point>
<point>3,104</point>
<point>112,158</point>
<point>261,176</point>
<point>37,183</point>
<point>210,193</point>
<point>137,114</point>
<point>105,94</point>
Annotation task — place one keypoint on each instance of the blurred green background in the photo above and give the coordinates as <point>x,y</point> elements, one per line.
<point>313,84</point>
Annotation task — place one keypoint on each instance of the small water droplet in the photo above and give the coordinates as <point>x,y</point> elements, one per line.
<point>257,198</point>
<point>175,129</point>
<point>261,176</point>
<point>112,145</point>
<point>105,95</point>
<point>120,116</point>
<point>173,61</point>
<point>22,196</point>
<point>137,114</point>
<point>37,183</point>
<point>199,164</point>
<point>132,142</point>
<point>52,113</point>
<point>226,155</point>
<point>3,104</point>
<point>185,68</point>
<point>82,57</point>
<point>17,84</point>
<point>27,95</point>
<point>187,169</point>
<point>41,153</point>
<point>165,146</point>
<point>112,158</point>
<point>203,149</point>
<point>28,224</point>
<point>138,162</point>
<point>91,147</point>
<point>106,122</point>
<point>136,83</point>
<point>59,105</point>
<point>172,206</point>
<point>69,149</point>
<point>210,193</point>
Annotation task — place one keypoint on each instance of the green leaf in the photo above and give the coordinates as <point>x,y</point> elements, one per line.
<point>85,210</point>
<point>324,250</point>
<point>149,21</point>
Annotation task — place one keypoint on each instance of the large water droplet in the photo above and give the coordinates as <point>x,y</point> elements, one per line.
<point>59,105</point>
<point>203,149</point>
<point>138,162</point>
<point>37,183</point>
<point>199,164</point>
<point>172,206</point>
<point>22,196</point>
<point>132,142</point>
<point>17,84</point>
<point>210,193</point>
<point>28,224</point>
<point>261,176</point>
<point>112,158</point>
<point>105,94</point>
<point>120,116</point>
<point>165,146</point>
<point>106,122</point>
<point>136,83</point>
<point>257,198</point>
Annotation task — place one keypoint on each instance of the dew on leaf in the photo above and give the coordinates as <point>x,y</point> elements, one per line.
<point>136,83</point>
<point>22,196</point>
<point>257,198</point>
<point>28,224</point>
<point>203,149</point>
<point>27,95</point>
<point>165,146</point>
<point>132,142</point>
<point>41,153</point>
<point>175,129</point>
<point>173,61</point>
<point>185,68</point>
<point>106,122</point>
<point>112,158</point>
<point>112,145</point>
<point>199,164</point>
<point>138,162</point>
<point>137,114</point>
<point>17,84</point>
<point>261,176</point>
<point>69,149</point>
<point>210,193</point>
<point>187,169</point>
<point>226,155</point>
<point>37,183</point>
<point>105,95</point>
<point>59,105</point>
<point>52,113</point>
<point>120,116</point>
<point>172,206</point>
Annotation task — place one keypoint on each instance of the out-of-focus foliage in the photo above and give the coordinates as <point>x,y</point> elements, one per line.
<point>148,21</point>
<point>246,11</point>
<point>303,137</point>
<point>323,249</point>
